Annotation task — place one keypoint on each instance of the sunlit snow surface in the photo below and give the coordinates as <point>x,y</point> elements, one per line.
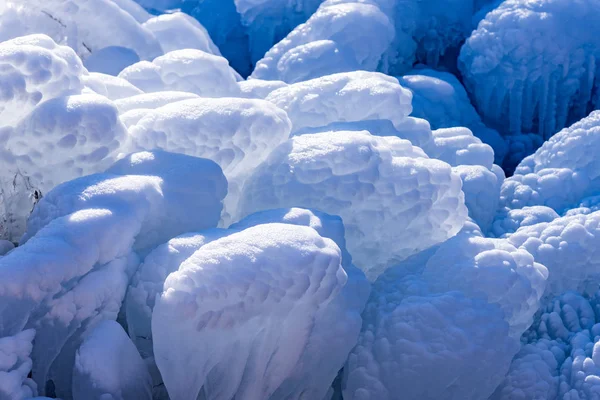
<point>299,200</point>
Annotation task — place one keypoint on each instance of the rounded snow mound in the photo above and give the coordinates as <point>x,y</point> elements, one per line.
<point>65,138</point>
<point>35,69</point>
<point>409,334</point>
<point>387,192</point>
<point>568,247</point>
<point>533,64</point>
<point>187,70</point>
<point>352,100</point>
<point>177,31</point>
<point>336,38</point>
<point>441,99</point>
<point>270,288</point>
<point>235,133</point>
<point>560,174</point>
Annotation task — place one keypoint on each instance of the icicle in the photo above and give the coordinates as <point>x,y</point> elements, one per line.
<point>543,104</point>
<point>515,107</point>
<point>528,107</point>
<point>550,121</point>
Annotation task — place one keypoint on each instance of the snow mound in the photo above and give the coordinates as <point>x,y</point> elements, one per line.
<point>560,173</point>
<point>409,334</point>
<point>107,365</point>
<point>568,247</point>
<point>560,355</point>
<point>238,134</point>
<point>352,100</point>
<point>387,192</point>
<point>15,365</point>
<point>167,258</point>
<point>267,22</point>
<point>91,25</point>
<point>65,138</point>
<point>436,312</point>
<point>507,221</point>
<point>337,38</point>
<point>440,98</point>
<point>148,282</point>
<point>83,244</point>
<point>35,69</point>
<point>270,288</point>
<point>388,36</point>
<point>258,89</point>
<point>178,31</point>
<point>473,162</point>
<point>187,70</point>
<point>529,71</point>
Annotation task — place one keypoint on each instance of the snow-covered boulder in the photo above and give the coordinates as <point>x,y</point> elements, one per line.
<point>337,38</point>
<point>437,312</point>
<point>561,173</point>
<point>177,31</point>
<point>352,101</point>
<point>250,314</point>
<point>187,70</point>
<point>238,134</point>
<point>35,69</point>
<point>388,192</point>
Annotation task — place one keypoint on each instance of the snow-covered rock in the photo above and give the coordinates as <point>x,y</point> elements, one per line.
<point>187,70</point>
<point>249,314</point>
<point>388,192</point>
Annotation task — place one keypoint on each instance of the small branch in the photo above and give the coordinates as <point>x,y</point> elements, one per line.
<point>54,18</point>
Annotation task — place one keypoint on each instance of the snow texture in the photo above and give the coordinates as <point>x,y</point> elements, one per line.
<point>339,101</point>
<point>560,356</point>
<point>188,70</point>
<point>473,162</point>
<point>15,365</point>
<point>108,366</point>
<point>437,312</point>
<point>179,31</point>
<point>567,246</point>
<point>441,99</point>
<point>387,192</point>
<point>528,70</point>
<point>91,25</point>
<point>273,288</point>
<point>560,173</point>
<point>507,221</point>
<point>258,89</point>
<point>338,37</point>
<point>65,138</point>
<point>89,233</point>
<point>35,69</point>
<point>237,134</point>
<point>410,334</point>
